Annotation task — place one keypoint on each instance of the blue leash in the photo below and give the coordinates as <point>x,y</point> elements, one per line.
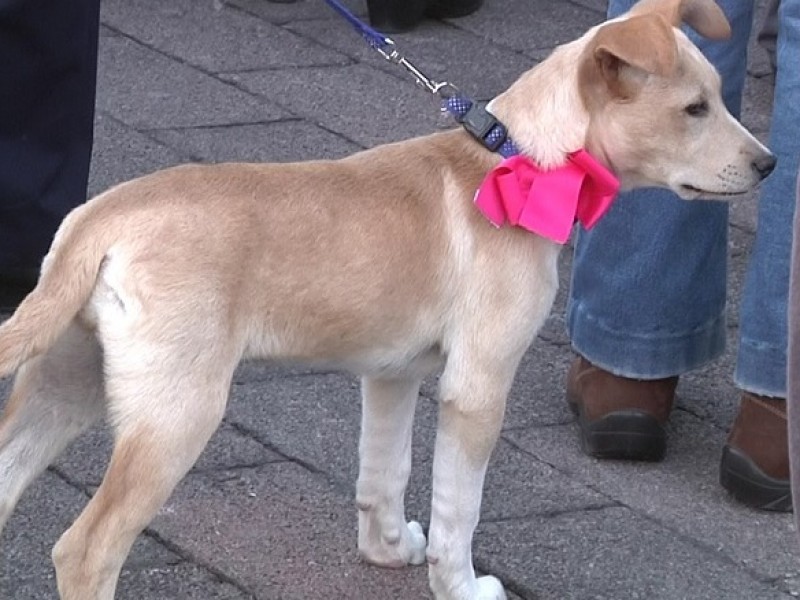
<point>375,39</point>
<point>387,48</point>
<point>473,116</point>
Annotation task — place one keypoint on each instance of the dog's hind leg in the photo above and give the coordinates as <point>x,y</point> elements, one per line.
<point>56,396</point>
<point>384,537</point>
<point>164,405</point>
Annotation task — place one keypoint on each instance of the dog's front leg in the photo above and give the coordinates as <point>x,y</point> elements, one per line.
<point>384,537</point>
<point>470,418</point>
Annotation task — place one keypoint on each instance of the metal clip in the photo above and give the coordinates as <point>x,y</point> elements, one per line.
<point>442,89</point>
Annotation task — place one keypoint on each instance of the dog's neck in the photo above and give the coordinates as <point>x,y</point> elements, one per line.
<point>553,122</point>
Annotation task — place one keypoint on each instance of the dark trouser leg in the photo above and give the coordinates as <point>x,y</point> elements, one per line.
<point>47,95</point>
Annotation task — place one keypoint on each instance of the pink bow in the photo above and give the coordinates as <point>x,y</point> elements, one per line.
<point>547,202</point>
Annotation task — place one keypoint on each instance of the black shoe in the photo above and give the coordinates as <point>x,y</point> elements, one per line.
<point>14,286</point>
<point>394,16</point>
<point>452,9</point>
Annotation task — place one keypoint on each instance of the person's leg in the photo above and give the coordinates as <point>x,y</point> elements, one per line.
<point>793,364</point>
<point>46,125</point>
<point>647,298</point>
<point>761,364</point>
<point>755,463</point>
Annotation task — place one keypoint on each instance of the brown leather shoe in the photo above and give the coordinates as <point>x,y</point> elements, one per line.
<point>619,417</point>
<point>755,460</point>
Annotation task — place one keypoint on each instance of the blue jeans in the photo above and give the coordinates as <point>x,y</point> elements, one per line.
<point>647,298</point>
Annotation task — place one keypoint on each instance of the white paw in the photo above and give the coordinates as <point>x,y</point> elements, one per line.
<point>482,588</point>
<point>490,588</point>
<point>417,543</point>
<point>397,548</point>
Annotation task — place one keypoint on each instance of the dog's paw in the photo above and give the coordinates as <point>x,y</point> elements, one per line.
<point>482,588</point>
<point>490,588</point>
<point>396,548</point>
<point>417,543</point>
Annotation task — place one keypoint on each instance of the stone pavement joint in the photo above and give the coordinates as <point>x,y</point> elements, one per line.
<point>255,436</point>
<point>185,556</point>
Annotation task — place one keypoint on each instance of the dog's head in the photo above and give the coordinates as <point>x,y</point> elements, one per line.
<point>656,114</point>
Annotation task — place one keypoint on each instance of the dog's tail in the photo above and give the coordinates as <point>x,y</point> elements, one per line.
<point>68,276</point>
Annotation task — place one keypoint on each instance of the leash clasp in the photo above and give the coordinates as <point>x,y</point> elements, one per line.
<point>443,89</point>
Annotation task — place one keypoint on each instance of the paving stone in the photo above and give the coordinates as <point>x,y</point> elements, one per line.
<point>85,461</point>
<point>121,153</point>
<point>710,392</point>
<point>537,396</point>
<point>757,105</point>
<point>46,510</point>
<point>478,68</point>
<point>599,6</point>
<point>531,26</point>
<point>282,141</point>
<point>744,211</point>
<point>682,493</point>
<point>388,110</point>
<point>214,36</point>
<point>176,95</point>
<point>610,554</point>
<point>281,13</point>
<point>282,532</point>
<point>185,581</point>
<point>316,419</point>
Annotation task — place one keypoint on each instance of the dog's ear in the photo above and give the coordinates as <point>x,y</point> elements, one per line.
<point>704,16</point>
<point>622,54</point>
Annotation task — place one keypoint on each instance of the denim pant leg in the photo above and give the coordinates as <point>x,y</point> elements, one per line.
<point>793,370</point>
<point>647,297</point>
<point>761,363</point>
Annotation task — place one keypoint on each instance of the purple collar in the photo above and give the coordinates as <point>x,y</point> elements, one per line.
<point>481,124</point>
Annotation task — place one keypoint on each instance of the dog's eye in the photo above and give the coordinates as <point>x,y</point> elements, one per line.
<point>697,109</point>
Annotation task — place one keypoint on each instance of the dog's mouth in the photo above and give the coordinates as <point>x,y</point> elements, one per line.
<point>703,193</point>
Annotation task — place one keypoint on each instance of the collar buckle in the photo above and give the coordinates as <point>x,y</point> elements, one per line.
<point>480,123</point>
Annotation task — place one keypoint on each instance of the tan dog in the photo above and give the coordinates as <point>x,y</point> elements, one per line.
<point>378,263</point>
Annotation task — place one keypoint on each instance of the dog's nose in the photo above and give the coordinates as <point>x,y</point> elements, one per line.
<point>764,165</point>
